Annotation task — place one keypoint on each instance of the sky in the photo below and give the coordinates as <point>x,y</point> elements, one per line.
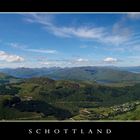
<point>38,40</point>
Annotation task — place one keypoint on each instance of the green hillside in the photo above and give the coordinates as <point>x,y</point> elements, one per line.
<point>47,99</point>
<point>4,78</point>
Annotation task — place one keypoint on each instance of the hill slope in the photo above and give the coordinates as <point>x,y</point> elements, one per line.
<point>4,78</point>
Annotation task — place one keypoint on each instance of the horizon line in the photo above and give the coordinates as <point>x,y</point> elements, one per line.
<point>65,67</point>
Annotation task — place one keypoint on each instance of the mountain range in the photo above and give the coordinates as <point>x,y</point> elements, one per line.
<point>99,74</point>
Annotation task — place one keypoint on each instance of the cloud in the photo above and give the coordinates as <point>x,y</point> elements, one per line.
<point>81,32</point>
<point>83,46</point>
<point>44,19</point>
<point>54,63</point>
<point>134,16</point>
<point>98,34</point>
<point>76,62</point>
<point>81,60</point>
<point>135,48</point>
<point>17,45</point>
<point>66,62</point>
<point>25,48</point>
<point>42,51</point>
<point>110,60</point>
<point>10,58</point>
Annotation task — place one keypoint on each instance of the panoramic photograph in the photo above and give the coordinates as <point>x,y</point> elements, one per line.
<point>70,66</point>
